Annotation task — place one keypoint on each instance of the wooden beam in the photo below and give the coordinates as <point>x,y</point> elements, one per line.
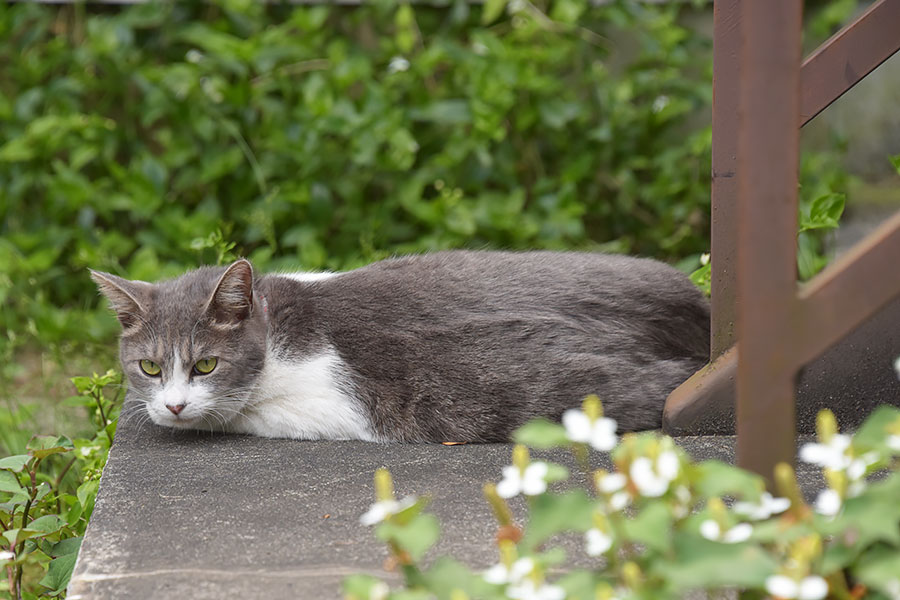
<point>848,56</point>
<point>768,160</point>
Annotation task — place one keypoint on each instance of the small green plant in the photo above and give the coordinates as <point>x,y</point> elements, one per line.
<point>660,525</point>
<point>47,496</point>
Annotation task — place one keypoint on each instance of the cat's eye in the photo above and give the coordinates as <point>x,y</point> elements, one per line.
<point>205,366</point>
<point>150,368</point>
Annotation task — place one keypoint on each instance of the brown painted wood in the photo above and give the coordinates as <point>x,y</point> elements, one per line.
<point>848,56</point>
<point>768,159</point>
<point>723,245</point>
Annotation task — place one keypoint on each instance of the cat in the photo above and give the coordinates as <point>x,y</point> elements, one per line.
<point>459,346</point>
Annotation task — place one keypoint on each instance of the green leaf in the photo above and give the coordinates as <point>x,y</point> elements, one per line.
<point>47,524</point>
<point>700,563</point>
<point>541,433</point>
<point>651,527</point>
<point>567,11</point>
<point>824,213</point>
<point>895,160</point>
<point>9,482</point>
<point>359,587</point>
<point>873,432</point>
<point>447,575</point>
<point>14,463</point>
<point>408,514</point>
<point>879,568</point>
<point>555,513</point>
<point>444,112</point>
<point>14,536</point>
<point>702,278</point>
<point>59,572</point>
<point>555,472</point>
<point>491,10</point>
<point>713,478</point>
<point>42,446</point>
<point>416,537</point>
<point>67,546</point>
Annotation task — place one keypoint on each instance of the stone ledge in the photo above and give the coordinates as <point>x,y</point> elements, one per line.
<point>201,516</point>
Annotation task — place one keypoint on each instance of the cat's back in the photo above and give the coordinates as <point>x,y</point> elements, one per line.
<point>513,278</point>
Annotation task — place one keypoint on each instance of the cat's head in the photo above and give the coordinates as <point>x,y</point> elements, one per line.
<point>192,347</point>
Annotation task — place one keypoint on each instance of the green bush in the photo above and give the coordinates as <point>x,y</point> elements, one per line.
<point>47,493</point>
<point>131,139</point>
<point>326,137</point>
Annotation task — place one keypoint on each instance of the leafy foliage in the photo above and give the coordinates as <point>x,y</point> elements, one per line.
<point>662,542</point>
<point>47,496</point>
<point>326,137</point>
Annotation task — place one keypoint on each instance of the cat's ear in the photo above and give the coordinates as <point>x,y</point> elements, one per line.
<point>127,298</point>
<point>232,300</point>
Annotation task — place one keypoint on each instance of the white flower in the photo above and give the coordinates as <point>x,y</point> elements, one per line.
<point>739,533</point>
<point>597,542</point>
<point>704,259</point>
<point>600,433</point>
<point>528,590</point>
<point>530,483</point>
<point>892,588</point>
<point>619,500</point>
<point>500,573</point>
<point>809,588</point>
<point>193,56</point>
<point>660,103</point>
<point>832,455</point>
<point>398,64</point>
<point>828,503</point>
<point>379,591</point>
<point>479,48</point>
<point>611,482</point>
<point>897,367</point>
<point>893,442</point>
<point>653,479</point>
<point>383,509</point>
<point>767,507</point>
<point>6,556</point>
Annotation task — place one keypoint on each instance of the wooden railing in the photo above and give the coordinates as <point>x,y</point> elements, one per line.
<point>762,95</point>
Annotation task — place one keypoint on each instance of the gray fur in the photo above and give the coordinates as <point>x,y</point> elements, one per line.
<point>451,346</point>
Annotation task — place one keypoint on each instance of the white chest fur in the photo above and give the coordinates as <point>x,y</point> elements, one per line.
<point>308,399</point>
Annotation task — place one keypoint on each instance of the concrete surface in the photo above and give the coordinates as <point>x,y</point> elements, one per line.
<point>183,515</point>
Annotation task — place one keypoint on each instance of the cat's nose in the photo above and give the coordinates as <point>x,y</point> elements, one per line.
<point>175,408</point>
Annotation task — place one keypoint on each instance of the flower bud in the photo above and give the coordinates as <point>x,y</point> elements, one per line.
<point>384,485</point>
<point>826,426</point>
<point>498,504</point>
<point>631,573</point>
<point>520,457</point>
<point>592,407</point>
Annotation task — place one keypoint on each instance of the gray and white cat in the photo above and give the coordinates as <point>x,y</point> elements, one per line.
<point>451,346</point>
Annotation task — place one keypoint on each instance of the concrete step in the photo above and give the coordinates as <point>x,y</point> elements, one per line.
<point>192,515</point>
